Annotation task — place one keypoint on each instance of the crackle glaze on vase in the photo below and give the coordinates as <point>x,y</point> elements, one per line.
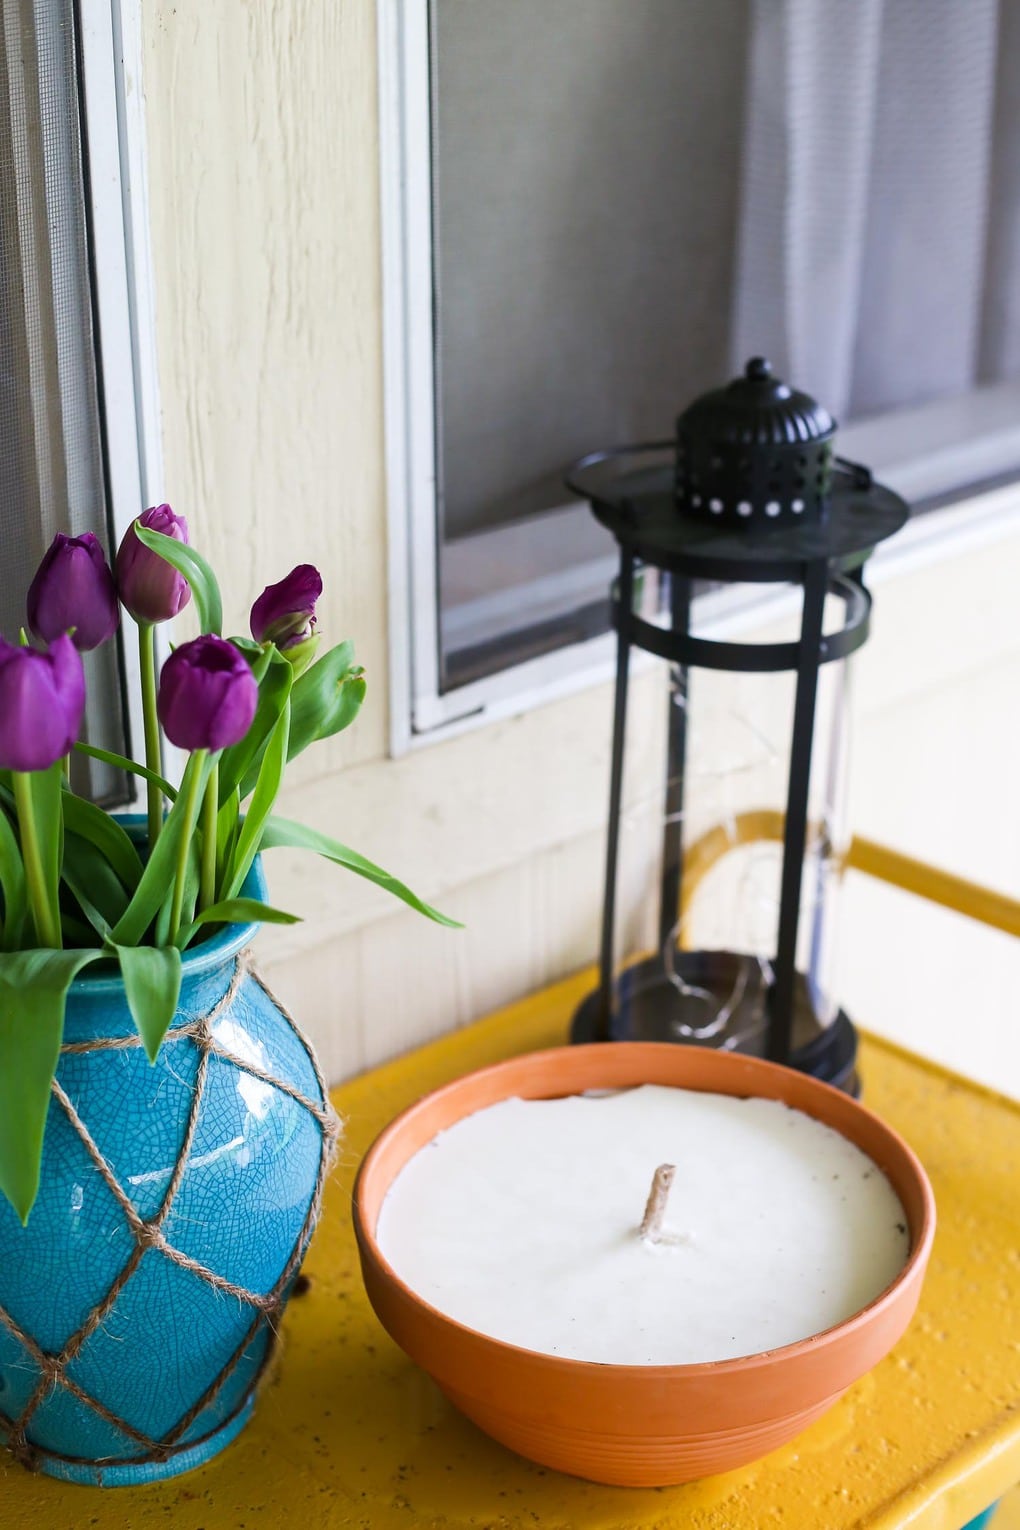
<point>165,1378</point>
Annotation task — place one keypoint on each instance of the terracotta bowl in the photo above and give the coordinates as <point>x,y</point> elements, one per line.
<point>640,1425</point>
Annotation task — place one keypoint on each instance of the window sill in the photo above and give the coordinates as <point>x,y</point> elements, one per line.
<point>937,535</point>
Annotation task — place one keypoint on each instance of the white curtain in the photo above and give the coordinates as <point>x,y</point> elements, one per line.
<point>879,247</point>
<point>51,463</point>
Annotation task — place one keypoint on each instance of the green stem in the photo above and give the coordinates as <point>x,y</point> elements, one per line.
<point>190,790</point>
<point>150,719</point>
<point>121,762</point>
<point>45,917</point>
<point>210,811</point>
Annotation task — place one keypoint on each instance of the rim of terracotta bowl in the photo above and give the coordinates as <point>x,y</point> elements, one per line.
<point>741,1070</point>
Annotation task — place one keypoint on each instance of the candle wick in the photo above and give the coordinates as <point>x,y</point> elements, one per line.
<point>655,1207</point>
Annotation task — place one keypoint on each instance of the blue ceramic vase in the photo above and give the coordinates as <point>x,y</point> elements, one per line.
<point>139,1305</point>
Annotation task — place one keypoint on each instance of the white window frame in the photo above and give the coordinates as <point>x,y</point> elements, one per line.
<point>114,129</point>
<point>973,440</point>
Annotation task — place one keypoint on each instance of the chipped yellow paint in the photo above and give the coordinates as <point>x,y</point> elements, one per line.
<point>349,1433</point>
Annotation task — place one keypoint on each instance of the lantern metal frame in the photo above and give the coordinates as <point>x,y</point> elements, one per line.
<point>632,492</point>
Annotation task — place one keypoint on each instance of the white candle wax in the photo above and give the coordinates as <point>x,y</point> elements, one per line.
<point>521,1221</point>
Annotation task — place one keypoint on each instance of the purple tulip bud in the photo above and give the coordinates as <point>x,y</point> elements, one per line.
<point>151,589</point>
<point>207,694</point>
<point>73,591</point>
<point>42,699</point>
<point>284,613</point>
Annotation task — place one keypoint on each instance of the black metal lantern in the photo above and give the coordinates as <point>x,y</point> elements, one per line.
<point>749,492</point>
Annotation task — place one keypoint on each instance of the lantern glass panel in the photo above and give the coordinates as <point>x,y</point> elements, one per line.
<point>706,770</point>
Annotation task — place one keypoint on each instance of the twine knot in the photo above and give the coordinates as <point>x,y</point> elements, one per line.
<point>22,1451</point>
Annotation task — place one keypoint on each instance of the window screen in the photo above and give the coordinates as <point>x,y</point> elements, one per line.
<point>630,197</point>
<point>586,213</point>
<point>51,452</point>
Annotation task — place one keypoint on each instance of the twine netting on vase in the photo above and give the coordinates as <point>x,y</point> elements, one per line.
<point>148,1234</point>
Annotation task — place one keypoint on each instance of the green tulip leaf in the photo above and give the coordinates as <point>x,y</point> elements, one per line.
<point>267,786</point>
<point>252,651</point>
<point>33,995</point>
<point>326,697</point>
<point>78,931</point>
<point>282,833</point>
<point>100,894</point>
<point>238,911</point>
<point>243,758</point>
<point>325,700</point>
<point>121,762</point>
<point>227,831</point>
<point>152,987</point>
<point>299,655</point>
<point>12,882</point>
<point>109,837</point>
<point>158,876</point>
<point>184,558</point>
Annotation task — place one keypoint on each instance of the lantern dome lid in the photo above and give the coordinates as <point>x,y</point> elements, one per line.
<point>757,409</point>
<point>749,488</point>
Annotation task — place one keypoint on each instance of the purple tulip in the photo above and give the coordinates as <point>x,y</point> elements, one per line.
<point>284,613</point>
<point>151,589</point>
<point>42,699</point>
<point>207,694</point>
<point>73,591</point>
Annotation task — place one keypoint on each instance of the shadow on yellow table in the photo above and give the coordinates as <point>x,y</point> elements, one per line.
<point>348,1433</point>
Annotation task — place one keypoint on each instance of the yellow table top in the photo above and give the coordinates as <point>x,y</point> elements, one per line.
<point>348,1432</point>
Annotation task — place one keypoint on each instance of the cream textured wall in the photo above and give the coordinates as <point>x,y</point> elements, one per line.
<point>263,155</point>
<point>936,767</point>
<point>264,205</point>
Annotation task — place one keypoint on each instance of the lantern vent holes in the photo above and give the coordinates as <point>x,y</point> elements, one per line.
<point>747,452</point>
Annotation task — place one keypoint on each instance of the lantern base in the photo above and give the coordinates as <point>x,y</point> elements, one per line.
<point>718,999</point>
